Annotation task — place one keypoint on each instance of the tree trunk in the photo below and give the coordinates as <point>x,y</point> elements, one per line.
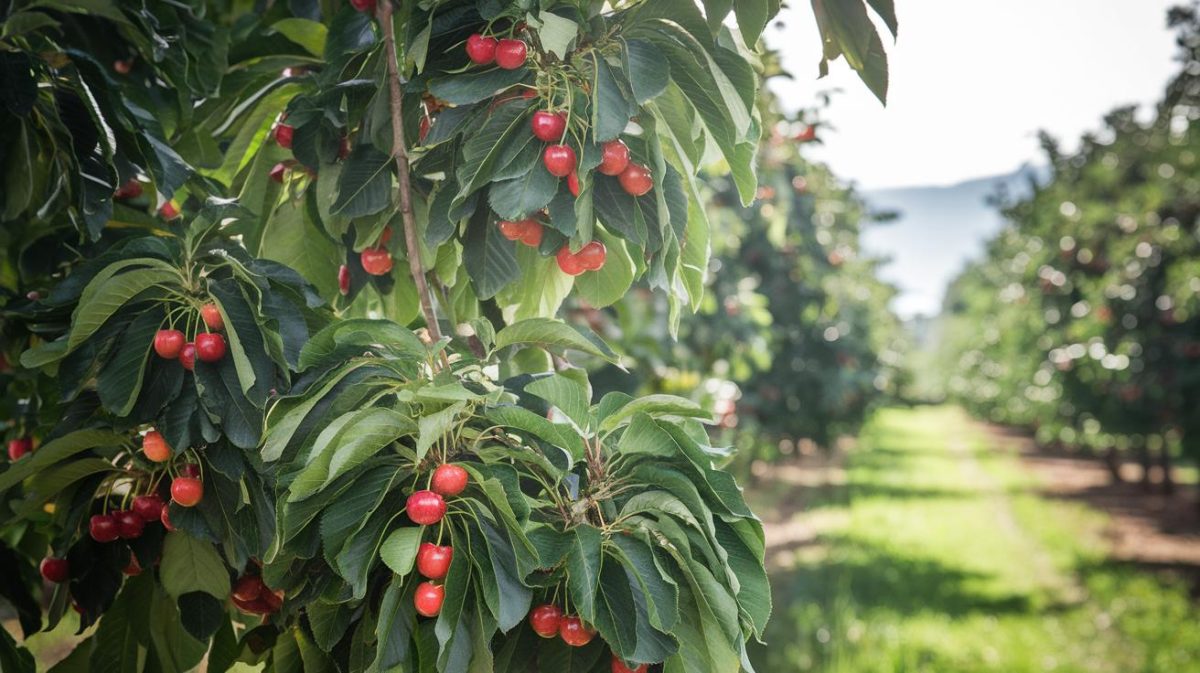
<point>1164,463</point>
<point>1112,460</point>
<point>1147,465</point>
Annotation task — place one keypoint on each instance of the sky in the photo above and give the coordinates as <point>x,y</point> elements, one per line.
<point>972,82</point>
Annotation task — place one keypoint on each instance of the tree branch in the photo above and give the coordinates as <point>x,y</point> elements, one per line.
<point>400,154</point>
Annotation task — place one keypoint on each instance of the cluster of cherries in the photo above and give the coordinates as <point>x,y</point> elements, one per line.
<point>425,508</point>
<point>252,596</point>
<point>186,490</point>
<point>171,344</point>
<point>549,621</point>
<point>506,53</point>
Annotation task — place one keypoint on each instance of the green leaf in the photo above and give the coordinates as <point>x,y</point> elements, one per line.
<point>437,425</point>
<point>556,33</point>
<point>660,589</point>
<point>752,18</point>
<point>472,87</point>
<point>611,282</point>
<point>254,369</point>
<point>886,9</point>
<point>481,151</point>
<point>111,295</point>
<point>365,183</point>
<point>120,378</point>
<point>539,290</point>
<point>556,335</point>
<point>399,549</point>
<point>743,542</point>
<point>583,570</point>
<point>201,615</point>
<point>615,610</point>
<point>177,650</point>
<point>347,441</point>
<point>610,108</point>
<point>54,451</point>
<point>191,565</point>
<point>566,394</point>
<point>19,171</point>
<point>525,421</point>
<point>308,34</point>
<point>523,196</point>
<point>488,257</point>
<point>654,405</point>
<point>648,70</point>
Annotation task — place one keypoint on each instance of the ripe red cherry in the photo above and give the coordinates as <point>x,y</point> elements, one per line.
<point>533,234</point>
<point>344,280</point>
<point>168,343</point>
<point>148,507</point>
<point>165,517</point>
<point>190,470</point>
<point>592,256</point>
<point>589,258</point>
<point>376,261</point>
<point>187,356</point>
<point>568,262</point>
<point>449,480</point>
<point>426,507</point>
<point>283,135</point>
<point>17,448</point>
<point>278,171</point>
<point>55,570</point>
<point>481,50</point>
<point>429,598</point>
<point>123,66</point>
<point>510,54</point>
<point>363,5</point>
<point>210,347</point>
<point>559,160</point>
<point>273,600</point>
<point>545,620</point>
<point>187,491</point>
<point>103,528</point>
<point>548,126</point>
<point>248,588</point>
<point>169,210</point>
<point>129,524</point>
<point>512,230</point>
<point>619,666</point>
<point>636,179</point>
<point>212,317</point>
<point>574,632</point>
<point>129,190</point>
<point>573,183</point>
<point>434,561</point>
<point>614,158</point>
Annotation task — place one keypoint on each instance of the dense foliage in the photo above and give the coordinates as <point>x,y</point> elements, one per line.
<point>794,339</point>
<point>1084,317</point>
<point>228,442</point>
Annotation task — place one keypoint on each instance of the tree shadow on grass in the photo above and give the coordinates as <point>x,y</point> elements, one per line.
<point>874,578</point>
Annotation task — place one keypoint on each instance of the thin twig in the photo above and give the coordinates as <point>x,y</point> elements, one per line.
<point>400,154</point>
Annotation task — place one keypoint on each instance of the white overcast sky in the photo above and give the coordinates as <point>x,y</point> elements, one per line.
<point>973,80</point>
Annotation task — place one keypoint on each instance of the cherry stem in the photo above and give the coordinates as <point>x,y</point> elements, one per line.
<point>400,154</point>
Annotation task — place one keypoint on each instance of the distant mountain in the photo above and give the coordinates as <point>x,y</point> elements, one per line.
<point>937,231</point>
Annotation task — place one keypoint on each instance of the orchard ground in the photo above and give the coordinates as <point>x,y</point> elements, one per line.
<point>938,544</point>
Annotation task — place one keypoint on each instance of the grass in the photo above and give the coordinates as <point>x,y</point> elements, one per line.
<point>937,556</point>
